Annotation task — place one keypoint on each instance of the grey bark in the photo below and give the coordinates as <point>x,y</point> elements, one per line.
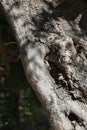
<point>52,39</point>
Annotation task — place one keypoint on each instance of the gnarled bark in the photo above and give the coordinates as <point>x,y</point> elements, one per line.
<point>52,39</point>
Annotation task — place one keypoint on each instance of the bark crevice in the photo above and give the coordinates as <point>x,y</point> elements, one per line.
<point>52,38</point>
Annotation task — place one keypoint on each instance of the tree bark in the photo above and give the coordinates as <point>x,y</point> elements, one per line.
<point>52,39</point>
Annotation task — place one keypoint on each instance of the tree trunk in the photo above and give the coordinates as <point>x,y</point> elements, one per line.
<point>52,39</point>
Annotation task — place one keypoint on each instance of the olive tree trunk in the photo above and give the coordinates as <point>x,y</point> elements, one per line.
<point>52,39</point>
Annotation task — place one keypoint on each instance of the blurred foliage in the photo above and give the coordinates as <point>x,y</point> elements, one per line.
<point>19,106</point>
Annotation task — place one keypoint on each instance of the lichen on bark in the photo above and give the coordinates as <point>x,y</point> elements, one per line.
<point>52,38</point>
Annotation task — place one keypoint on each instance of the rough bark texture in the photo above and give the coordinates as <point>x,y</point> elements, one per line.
<point>52,38</point>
